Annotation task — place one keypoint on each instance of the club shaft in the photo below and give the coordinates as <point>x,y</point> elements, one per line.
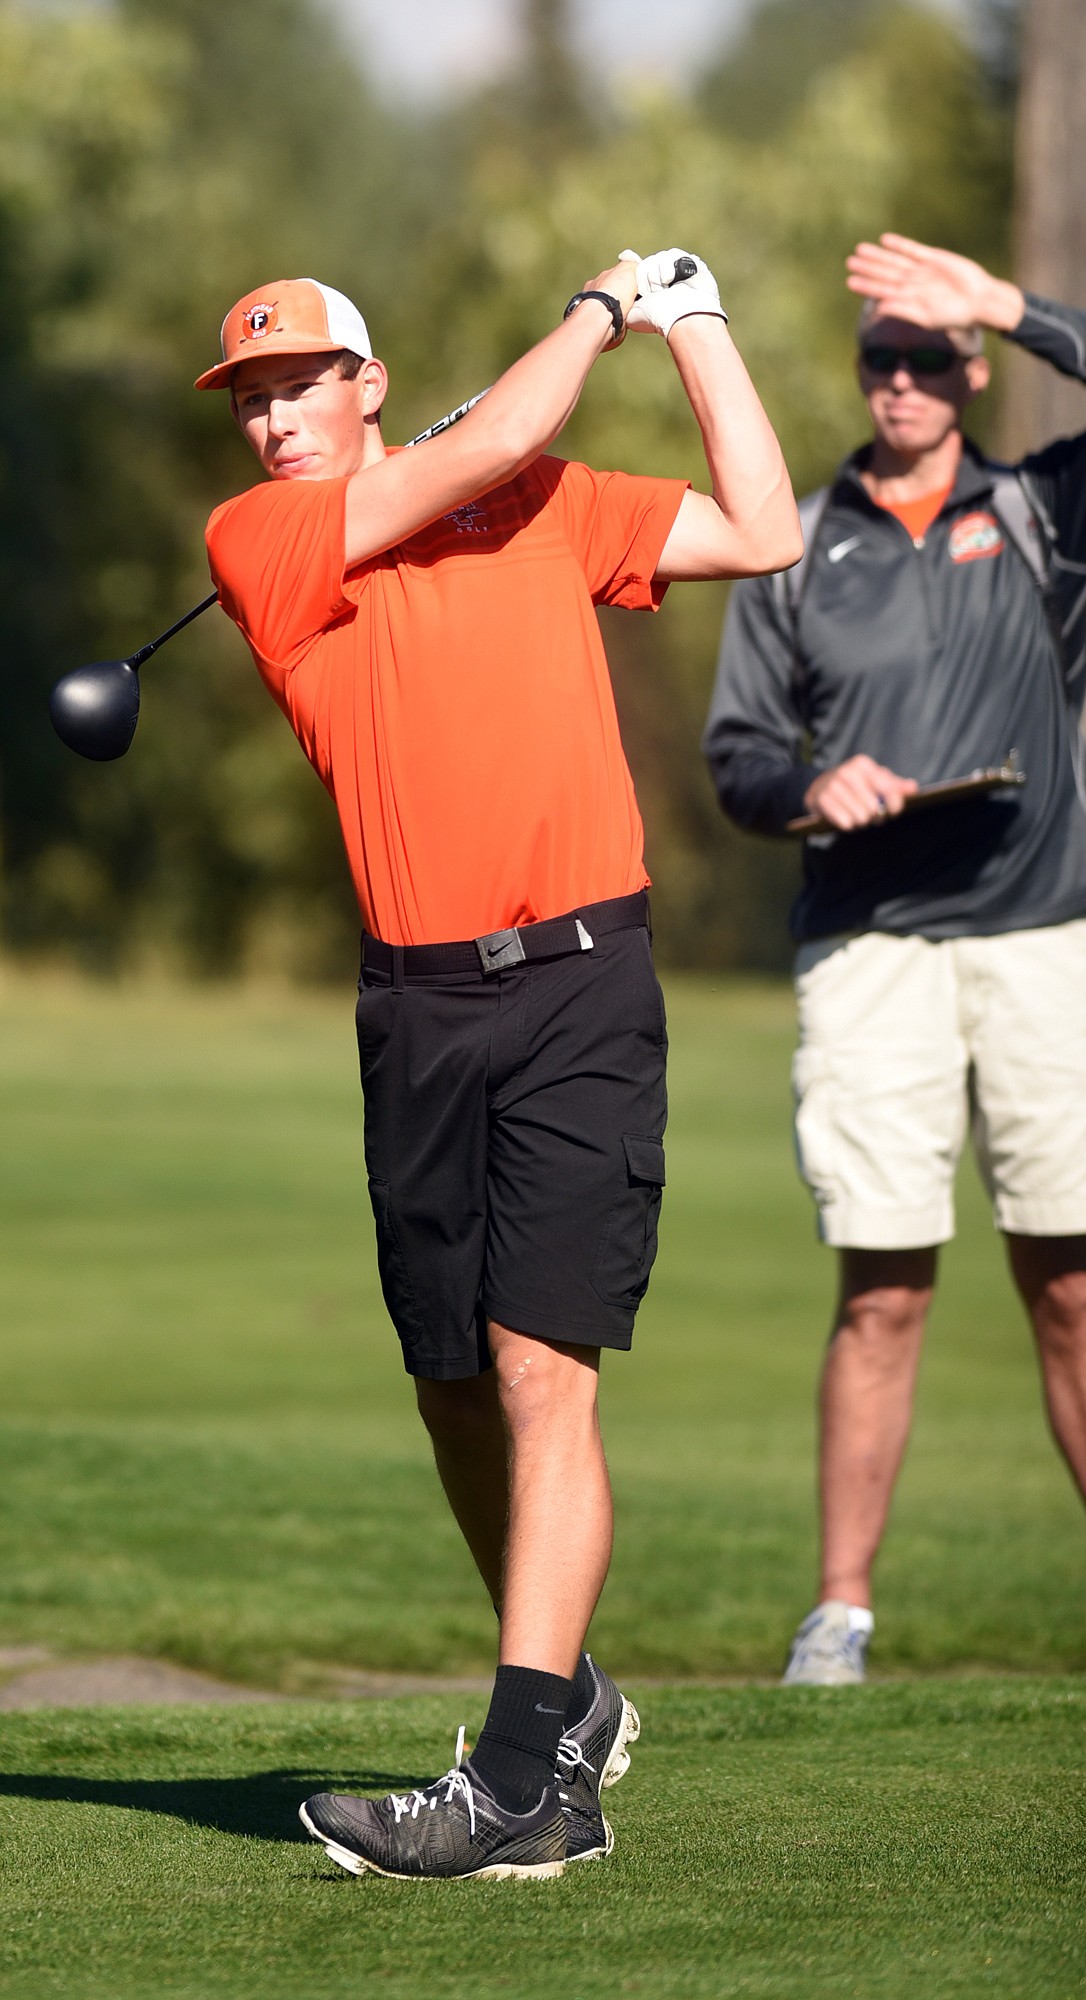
<point>137,659</point>
<point>453,417</point>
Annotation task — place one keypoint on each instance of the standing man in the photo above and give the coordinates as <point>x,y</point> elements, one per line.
<point>941,972</point>
<point>425,620</point>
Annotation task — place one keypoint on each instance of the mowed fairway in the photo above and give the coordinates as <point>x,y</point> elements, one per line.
<point>921,1840</point>
<point>210,1456</point>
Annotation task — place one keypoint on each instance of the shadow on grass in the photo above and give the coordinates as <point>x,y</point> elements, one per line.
<point>263,1805</point>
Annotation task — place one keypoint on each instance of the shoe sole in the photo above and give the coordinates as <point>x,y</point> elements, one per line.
<point>595,1853</point>
<point>618,1763</point>
<point>497,1871</point>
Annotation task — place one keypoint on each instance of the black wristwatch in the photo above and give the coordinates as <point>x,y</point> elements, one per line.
<point>606,299</point>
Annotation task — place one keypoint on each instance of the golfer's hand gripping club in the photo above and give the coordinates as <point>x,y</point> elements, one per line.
<point>671,285</point>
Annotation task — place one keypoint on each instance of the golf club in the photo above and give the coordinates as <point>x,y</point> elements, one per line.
<point>95,709</point>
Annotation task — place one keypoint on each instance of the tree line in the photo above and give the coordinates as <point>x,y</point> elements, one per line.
<point>159,157</point>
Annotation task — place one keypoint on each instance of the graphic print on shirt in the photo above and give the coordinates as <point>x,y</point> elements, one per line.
<point>468,520</point>
<point>975,536</point>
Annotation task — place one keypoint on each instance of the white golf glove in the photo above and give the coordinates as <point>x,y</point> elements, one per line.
<point>662,300</point>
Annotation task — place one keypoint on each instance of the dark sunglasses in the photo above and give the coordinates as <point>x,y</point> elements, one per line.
<point>918,360</point>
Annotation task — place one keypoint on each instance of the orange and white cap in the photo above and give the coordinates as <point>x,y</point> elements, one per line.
<point>292,316</point>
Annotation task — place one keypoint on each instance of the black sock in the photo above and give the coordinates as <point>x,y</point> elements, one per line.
<point>584,1692</point>
<point>518,1744</point>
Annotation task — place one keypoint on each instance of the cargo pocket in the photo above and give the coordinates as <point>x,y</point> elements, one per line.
<point>628,1245</point>
<point>396,1286</point>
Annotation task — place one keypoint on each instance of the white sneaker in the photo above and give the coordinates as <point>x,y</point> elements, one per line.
<point>830,1648</point>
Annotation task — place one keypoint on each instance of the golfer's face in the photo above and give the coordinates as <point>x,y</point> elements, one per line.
<point>302,419</point>
<point>913,411</point>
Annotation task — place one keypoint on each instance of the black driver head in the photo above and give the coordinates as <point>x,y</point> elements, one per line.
<point>95,709</point>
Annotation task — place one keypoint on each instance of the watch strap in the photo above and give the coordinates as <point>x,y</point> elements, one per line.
<point>606,299</point>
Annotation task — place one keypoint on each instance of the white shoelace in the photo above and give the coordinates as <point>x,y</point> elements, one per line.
<point>456,1784</point>
<point>571,1759</point>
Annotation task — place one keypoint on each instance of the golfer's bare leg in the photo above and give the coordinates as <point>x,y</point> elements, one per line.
<point>558,1541</point>
<point>531,1423</point>
<point>1050,1272</point>
<point>866,1407</point>
<point>465,1423</point>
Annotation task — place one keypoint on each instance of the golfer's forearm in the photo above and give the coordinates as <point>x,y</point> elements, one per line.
<point>513,423</point>
<point>751,487</point>
<point>528,405</point>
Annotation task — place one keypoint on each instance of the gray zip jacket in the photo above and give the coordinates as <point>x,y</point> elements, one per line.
<point>936,658</point>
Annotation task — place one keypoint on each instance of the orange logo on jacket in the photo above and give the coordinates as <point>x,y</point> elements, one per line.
<point>974,536</point>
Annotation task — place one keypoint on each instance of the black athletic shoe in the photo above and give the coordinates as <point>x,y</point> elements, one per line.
<point>592,1756</point>
<point>449,1829</point>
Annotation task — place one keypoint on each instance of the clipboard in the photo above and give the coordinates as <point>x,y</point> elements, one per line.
<point>944,793</point>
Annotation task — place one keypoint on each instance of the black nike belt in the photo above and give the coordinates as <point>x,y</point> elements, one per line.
<point>498,951</point>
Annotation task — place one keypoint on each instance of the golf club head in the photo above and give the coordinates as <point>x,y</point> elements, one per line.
<point>95,709</point>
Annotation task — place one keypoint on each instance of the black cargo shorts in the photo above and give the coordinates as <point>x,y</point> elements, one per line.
<point>514,1128</point>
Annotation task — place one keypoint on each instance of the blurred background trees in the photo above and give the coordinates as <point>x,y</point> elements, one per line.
<point>1049,209</point>
<point>158,157</point>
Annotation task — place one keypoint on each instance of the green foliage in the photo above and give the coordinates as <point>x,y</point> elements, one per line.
<point>147,176</point>
<point>158,158</point>
<point>762,82</point>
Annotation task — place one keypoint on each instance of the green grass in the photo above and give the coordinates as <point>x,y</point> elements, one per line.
<point>210,1450</point>
<point>921,1840</point>
<point>210,1454</point>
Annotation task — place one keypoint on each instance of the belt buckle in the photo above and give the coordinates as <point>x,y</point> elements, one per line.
<point>500,949</point>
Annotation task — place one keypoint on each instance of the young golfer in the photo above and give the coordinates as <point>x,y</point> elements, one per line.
<point>425,620</point>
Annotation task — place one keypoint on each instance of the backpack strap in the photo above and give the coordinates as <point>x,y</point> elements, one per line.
<point>1029,526</point>
<point>1025,518</point>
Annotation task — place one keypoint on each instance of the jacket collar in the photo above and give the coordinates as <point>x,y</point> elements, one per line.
<point>975,478</point>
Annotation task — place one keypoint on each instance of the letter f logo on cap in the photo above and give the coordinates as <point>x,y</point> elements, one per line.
<point>258,321</point>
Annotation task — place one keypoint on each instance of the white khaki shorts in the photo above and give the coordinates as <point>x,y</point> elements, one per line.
<point>904,1043</point>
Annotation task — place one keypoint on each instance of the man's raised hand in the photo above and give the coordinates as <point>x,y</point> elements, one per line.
<point>662,302</point>
<point>931,288</point>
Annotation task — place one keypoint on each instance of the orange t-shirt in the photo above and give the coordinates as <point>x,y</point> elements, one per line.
<point>452,693</point>
<point>916,516</point>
